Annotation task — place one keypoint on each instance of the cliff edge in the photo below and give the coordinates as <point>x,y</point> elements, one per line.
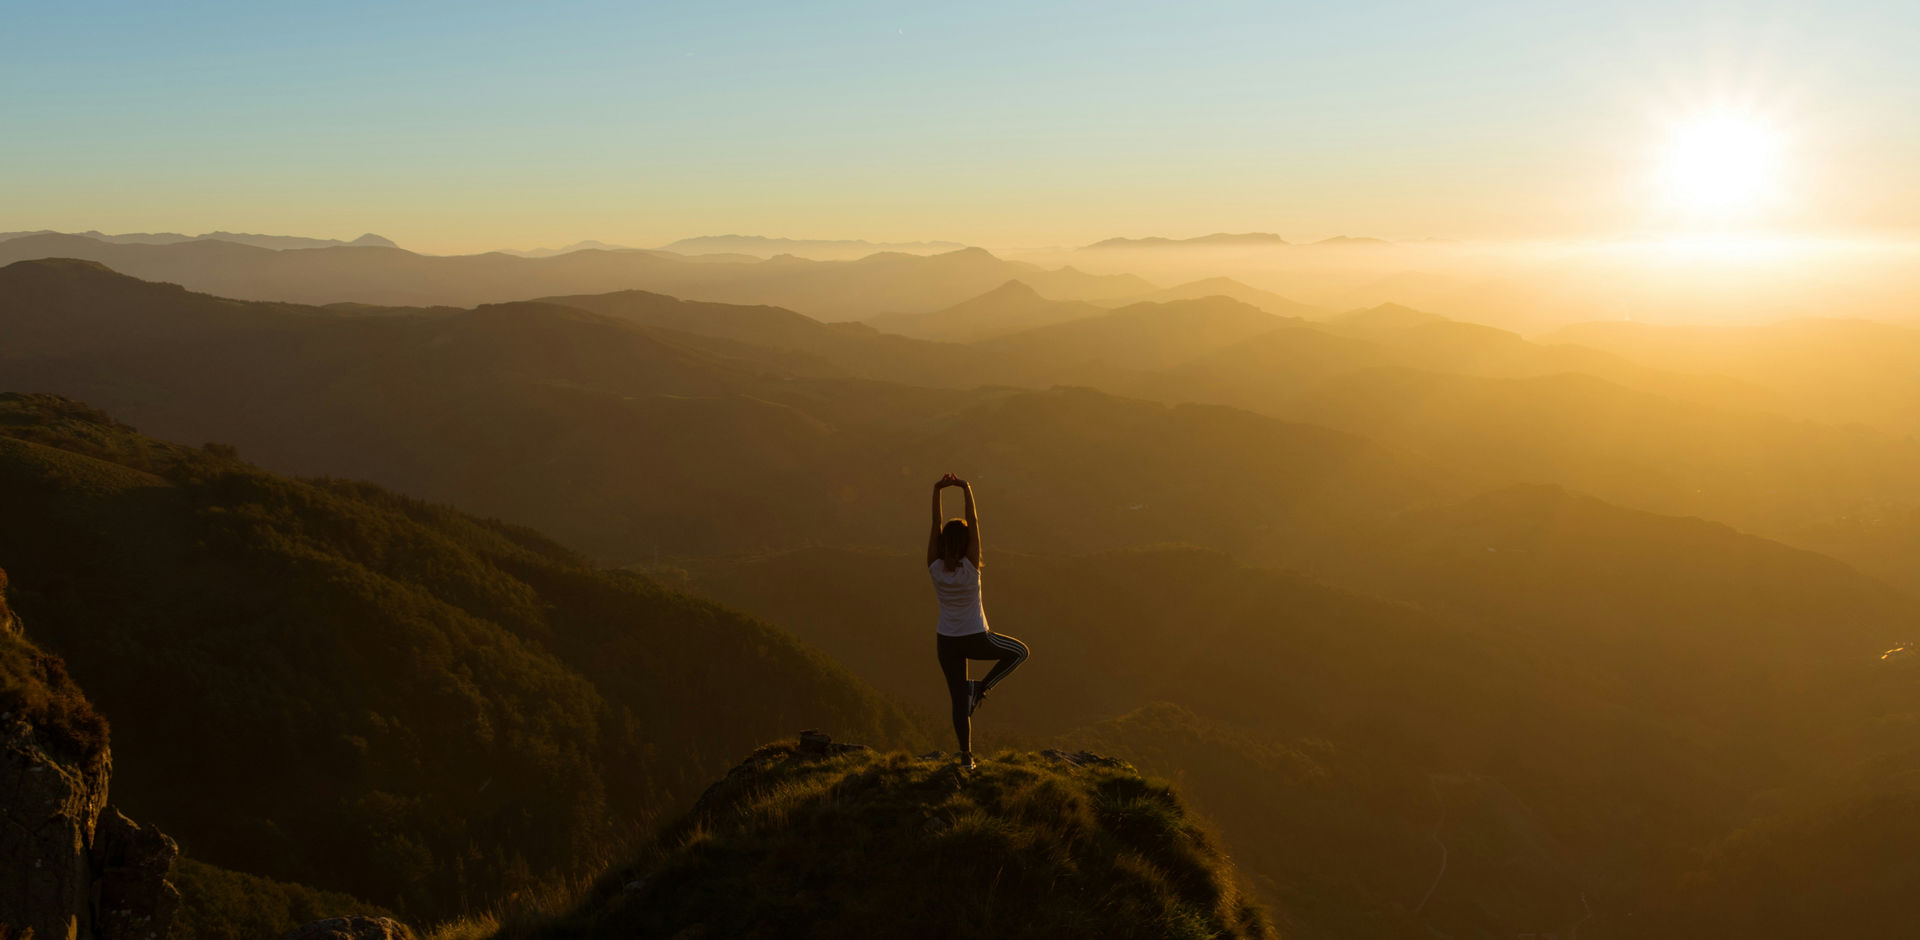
<point>72,867</point>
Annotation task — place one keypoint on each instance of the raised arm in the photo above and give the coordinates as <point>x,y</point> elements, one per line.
<point>973,526</point>
<point>933,536</point>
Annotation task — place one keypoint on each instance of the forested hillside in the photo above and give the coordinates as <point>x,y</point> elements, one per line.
<point>328,683</point>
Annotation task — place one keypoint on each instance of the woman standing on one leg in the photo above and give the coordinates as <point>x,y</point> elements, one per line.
<point>953,558</point>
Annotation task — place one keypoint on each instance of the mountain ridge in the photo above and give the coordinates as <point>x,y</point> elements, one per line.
<point>276,242</point>
<point>1216,239</point>
<point>1009,308</point>
<point>829,290</point>
<point>835,248</point>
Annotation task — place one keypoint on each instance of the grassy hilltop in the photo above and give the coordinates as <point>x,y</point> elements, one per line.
<point>858,843</point>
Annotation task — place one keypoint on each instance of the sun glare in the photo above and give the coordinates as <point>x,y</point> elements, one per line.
<point>1722,165</point>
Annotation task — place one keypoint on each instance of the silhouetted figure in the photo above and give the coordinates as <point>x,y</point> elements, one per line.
<point>953,558</point>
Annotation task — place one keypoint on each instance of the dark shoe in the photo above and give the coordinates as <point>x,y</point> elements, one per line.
<point>966,760</point>
<point>975,695</point>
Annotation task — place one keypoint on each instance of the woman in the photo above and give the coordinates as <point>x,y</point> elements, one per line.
<point>953,558</point>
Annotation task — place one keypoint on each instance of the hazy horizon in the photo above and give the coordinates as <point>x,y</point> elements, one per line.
<point>1531,287</point>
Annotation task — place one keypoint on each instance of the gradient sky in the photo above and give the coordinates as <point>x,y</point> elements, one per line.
<point>453,127</point>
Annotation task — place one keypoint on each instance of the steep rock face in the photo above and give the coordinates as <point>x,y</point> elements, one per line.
<point>71,866</point>
<point>131,899</point>
<point>50,808</point>
<point>9,624</point>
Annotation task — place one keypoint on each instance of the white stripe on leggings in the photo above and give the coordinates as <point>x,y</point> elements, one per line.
<point>1011,645</point>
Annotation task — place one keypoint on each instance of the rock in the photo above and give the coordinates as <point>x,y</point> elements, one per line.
<point>9,624</point>
<point>356,927</point>
<point>132,898</point>
<point>813,745</point>
<point>816,743</point>
<point>1084,759</point>
<point>48,809</point>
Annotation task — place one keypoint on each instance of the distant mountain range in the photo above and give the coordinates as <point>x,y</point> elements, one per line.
<point>1015,306</point>
<point>275,242</point>
<point>888,282</point>
<point>588,245</point>
<point>1214,240</point>
<point>1232,240</point>
<point>823,249</point>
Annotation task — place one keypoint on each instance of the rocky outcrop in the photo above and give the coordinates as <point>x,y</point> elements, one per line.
<point>132,899</point>
<point>817,743</point>
<point>1085,759</point>
<point>9,624</point>
<point>71,867</point>
<point>813,744</point>
<point>357,927</point>
<point>50,808</point>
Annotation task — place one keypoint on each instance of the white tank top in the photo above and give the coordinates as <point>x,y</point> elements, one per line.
<point>961,613</point>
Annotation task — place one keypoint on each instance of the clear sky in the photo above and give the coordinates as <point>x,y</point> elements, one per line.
<point>462,126</point>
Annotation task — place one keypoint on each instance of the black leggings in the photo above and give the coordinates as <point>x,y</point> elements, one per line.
<point>1007,654</point>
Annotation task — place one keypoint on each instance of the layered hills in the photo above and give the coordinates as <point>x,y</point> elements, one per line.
<point>422,400</point>
<point>1228,287</point>
<point>357,390</point>
<point>837,290</point>
<point>1009,308</point>
<point>1467,632</point>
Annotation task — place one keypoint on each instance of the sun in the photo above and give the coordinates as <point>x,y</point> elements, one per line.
<point>1723,164</point>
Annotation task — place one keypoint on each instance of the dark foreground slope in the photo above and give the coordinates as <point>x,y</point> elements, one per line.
<point>326,683</point>
<point>824,842</point>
